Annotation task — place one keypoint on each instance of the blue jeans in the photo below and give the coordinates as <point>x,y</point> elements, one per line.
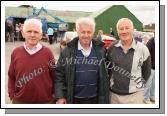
<point>149,91</point>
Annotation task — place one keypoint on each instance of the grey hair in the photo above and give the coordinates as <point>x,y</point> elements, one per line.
<point>85,21</point>
<point>34,21</point>
<point>124,19</point>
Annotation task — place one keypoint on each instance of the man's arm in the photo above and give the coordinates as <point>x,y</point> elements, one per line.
<point>149,44</point>
<point>146,67</point>
<point>11,79</point>
<point>59,80</point>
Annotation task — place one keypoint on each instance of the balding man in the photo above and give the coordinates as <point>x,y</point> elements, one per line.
<point>30,75</point>
<point>130,66</point>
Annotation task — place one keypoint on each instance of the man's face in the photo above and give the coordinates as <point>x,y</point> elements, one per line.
<point>85,34</point>
<point>32,34</point>
<point>125,30</point>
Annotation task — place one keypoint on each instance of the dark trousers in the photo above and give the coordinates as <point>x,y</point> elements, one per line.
<point>93,100</point>
<point>50,39</point>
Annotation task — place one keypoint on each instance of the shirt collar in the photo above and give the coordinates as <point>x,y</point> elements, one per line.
<point>34,49</point>
<point>81,48</point>
<point>133,45</point>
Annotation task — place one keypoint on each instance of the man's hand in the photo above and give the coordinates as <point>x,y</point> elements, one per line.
<point>61,101</point>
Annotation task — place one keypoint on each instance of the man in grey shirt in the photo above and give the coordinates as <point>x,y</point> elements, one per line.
<point>130,66</point>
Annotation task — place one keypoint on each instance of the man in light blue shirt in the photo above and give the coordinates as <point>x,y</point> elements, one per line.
<point>50,34</point>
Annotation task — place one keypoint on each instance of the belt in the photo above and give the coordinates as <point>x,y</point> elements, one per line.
<point>92,100</point>
<point>121,93</point>
<point>87,98</point>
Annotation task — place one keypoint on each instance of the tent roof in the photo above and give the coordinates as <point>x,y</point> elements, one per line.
<point>67,16</point>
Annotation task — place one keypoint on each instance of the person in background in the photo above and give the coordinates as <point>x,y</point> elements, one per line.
<point>63,44</point>
<point>82,82</point>
<point>130,66</point>
<point>55,34</point>
<point>21,31</point>
<point>30,75</point>
<point>137,35</point>
<point>99,36</point>
<point>111,32</point>
<point>9,31</point>
<point>17,32</point>
<point>149,92</point>
<point>50,34</point>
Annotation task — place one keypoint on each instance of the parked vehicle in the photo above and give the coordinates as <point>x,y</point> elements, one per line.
<point>107,40</point>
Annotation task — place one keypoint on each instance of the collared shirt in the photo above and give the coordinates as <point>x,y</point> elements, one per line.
<point>133,45</point>
<point>33,50</point>
<point>86,52</point>
<point>50,31</point>
<point>129,69</point>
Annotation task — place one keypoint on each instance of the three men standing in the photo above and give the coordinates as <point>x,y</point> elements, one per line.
<point>81,75</point>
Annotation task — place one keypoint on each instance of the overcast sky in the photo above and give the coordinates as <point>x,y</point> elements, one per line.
<point>145,13</point>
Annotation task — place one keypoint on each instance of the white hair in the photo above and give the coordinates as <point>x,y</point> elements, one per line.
<point>34,21</point>
<point>85,21</point>
<point>124,19</point>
